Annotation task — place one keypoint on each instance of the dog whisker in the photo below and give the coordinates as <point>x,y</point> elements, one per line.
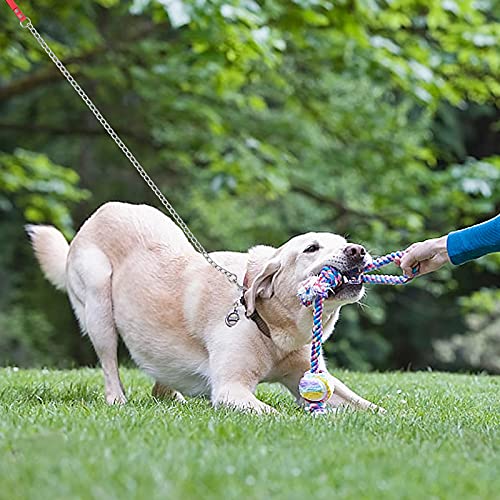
<point>364,305</point>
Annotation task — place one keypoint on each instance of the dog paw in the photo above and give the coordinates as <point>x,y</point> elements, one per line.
<point>264,408</point>
<point>163,392</point>
<point>258,409</point>
<point>376,409</point>
<point>248,406</point>
<point>116,399</point>
<point>179,398</point>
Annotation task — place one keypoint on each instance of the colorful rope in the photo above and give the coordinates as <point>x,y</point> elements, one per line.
<point>385,279</point>
<point>315,386</point>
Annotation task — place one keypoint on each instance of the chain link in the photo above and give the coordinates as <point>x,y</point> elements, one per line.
<point>231,277</point>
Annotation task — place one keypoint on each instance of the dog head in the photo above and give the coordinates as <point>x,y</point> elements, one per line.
<point>275,274</point>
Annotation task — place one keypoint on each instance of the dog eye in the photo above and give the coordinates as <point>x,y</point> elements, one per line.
<point>312,248</point>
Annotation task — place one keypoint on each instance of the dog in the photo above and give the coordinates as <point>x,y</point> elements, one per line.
<point>130,271</point>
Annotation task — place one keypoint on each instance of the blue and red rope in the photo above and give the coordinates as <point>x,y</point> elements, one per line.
<point>315,387</point>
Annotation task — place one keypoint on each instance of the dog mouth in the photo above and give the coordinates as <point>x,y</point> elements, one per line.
<point>350,286</point>
<point>352,274</point>
<point>332,283</point>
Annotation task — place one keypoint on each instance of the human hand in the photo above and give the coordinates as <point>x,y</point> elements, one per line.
<point>427,256</point>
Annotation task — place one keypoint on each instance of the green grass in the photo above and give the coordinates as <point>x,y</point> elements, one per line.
<point>58,440</point>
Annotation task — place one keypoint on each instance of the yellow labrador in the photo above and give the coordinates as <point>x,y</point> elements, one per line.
<point>131,271</point>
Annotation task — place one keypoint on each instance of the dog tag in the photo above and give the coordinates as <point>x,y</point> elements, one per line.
<point>233,317</point>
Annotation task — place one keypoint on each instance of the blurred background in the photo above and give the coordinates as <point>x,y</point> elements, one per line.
<point>378,120</point>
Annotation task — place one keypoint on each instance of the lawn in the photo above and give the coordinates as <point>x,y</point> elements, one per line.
<point>58,440</point>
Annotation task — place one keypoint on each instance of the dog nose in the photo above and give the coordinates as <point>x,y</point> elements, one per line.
<point>355,252</point>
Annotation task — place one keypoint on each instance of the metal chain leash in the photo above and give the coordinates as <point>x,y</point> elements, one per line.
<point>231,277</point>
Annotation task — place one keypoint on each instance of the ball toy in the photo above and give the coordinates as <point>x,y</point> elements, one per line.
<point>315,387</point>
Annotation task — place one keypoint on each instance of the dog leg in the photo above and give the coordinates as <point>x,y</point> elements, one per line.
<point>163,392</point>
<point>292,369</point>
<point>297,363</point>
<point>345,397</point>
<point>235,371</point>
<point>99,320</point>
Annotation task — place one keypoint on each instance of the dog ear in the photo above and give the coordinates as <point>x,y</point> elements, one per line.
<point>263,283</point>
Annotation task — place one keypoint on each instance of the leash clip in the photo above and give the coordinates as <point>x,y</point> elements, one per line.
<point>25,23</point>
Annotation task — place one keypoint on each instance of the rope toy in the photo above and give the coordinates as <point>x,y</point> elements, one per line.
<point>316,387</point>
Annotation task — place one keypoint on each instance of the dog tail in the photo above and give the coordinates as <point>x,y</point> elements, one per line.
<point>51,250</point>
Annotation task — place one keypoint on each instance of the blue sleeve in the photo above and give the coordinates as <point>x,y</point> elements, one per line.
<point>474,242</point>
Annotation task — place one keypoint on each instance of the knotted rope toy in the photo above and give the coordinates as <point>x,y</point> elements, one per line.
<point>316,387</point>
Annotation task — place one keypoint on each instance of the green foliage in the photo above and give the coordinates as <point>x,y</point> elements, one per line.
<point>439,439</point>
<point>42,190</point>
<point>261,120</point>
<point>27,338</point>
<point>479,347</point>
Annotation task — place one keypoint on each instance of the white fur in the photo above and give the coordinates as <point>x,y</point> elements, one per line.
<point>51,250</point>
<point>131,270</point>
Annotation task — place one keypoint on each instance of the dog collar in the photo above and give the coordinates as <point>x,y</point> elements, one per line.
<point>256,318</point>
<point>233,316</point>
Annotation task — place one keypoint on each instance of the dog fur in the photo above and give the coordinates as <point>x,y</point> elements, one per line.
<point>130,271</point>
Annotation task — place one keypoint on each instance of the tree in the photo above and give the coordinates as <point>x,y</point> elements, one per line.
<point>261,120</point>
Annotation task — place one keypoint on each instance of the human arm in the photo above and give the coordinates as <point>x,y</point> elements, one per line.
<point>474,242</point>
<point>457,247</point>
